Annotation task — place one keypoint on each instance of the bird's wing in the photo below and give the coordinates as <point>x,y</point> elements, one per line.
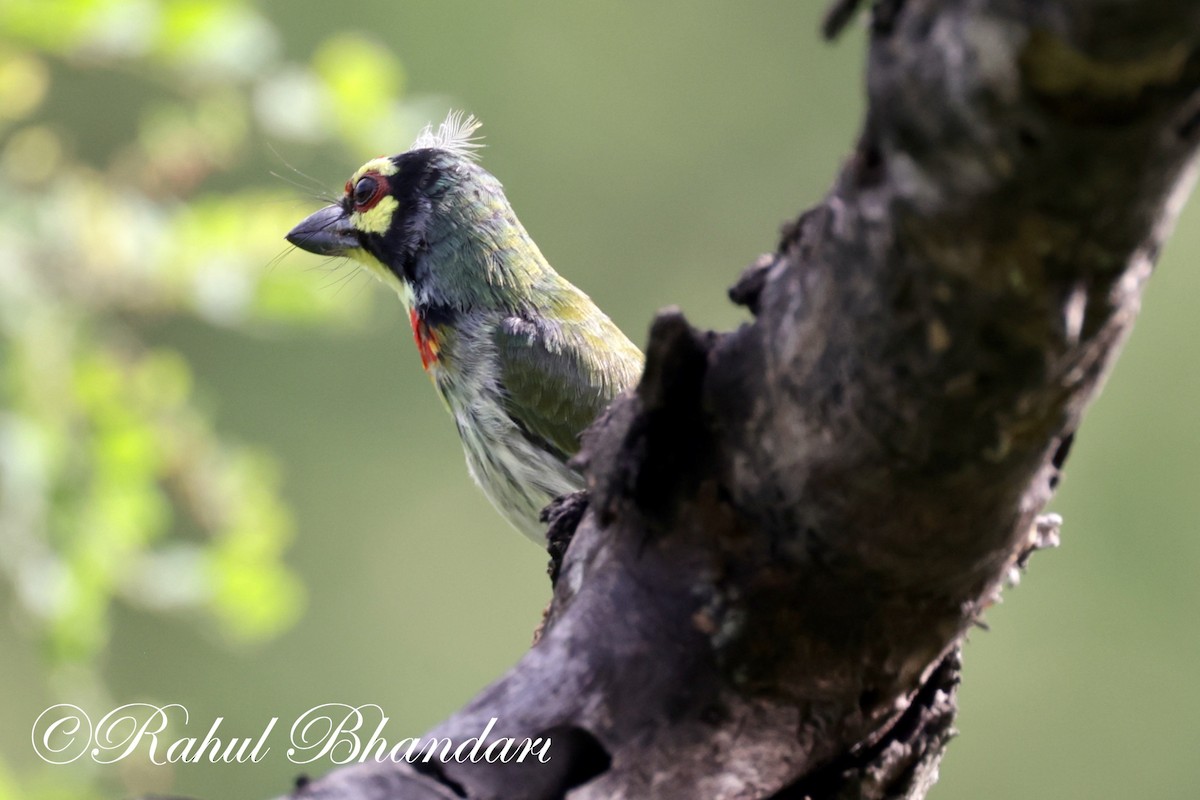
<point>559,376</point>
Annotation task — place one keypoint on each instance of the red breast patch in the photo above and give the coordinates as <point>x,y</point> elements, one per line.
<point>426,339</point>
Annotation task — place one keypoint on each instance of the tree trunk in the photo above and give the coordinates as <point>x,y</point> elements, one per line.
<point>792,526</point>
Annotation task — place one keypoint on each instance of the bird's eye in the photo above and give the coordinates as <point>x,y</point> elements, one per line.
<point>363,190</point>
<point>367,192</point>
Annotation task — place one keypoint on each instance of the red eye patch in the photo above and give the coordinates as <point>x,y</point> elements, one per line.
<point>369,190</point>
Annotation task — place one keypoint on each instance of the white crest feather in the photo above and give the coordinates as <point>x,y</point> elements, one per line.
<point>456,135</point>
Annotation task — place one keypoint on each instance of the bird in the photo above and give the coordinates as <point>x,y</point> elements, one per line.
<point>522,359</point>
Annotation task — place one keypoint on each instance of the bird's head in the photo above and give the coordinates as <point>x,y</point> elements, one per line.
<point>429,221</point>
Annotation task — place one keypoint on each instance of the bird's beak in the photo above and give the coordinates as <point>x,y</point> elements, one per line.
<point>326,232</point>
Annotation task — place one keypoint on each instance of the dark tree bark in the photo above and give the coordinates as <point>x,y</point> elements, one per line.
<point>793,525</point>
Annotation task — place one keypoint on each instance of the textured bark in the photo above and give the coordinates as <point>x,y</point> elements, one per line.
<point>793,525</point>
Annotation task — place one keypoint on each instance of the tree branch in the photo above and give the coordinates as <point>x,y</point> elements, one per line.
<point>792,526</point>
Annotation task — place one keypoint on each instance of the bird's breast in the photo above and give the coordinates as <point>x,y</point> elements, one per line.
<point>426,339</point>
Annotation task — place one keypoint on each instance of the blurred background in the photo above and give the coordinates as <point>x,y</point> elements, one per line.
<point>225,482</point>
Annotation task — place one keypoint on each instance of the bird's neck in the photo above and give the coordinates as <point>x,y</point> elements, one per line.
<point>484,259</point>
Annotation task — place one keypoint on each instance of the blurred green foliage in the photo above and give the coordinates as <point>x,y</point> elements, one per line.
<point>114,482</point>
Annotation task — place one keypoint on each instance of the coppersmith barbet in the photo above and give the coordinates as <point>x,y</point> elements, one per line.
<point>523,360</point>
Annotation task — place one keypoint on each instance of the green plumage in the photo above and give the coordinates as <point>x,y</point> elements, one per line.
<point>522,358</point>
<point>558,380</point>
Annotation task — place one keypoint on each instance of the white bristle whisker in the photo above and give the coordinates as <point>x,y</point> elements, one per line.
<point>456,135</point>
